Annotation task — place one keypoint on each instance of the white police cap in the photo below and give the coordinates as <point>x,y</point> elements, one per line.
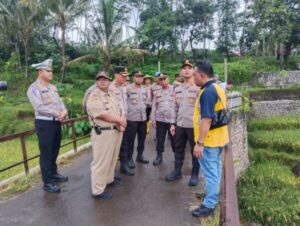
<point>46,65</point>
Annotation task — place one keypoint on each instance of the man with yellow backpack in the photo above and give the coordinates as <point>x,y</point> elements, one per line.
<point>211,134</point>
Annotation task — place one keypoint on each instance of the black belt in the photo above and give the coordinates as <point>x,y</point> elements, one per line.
<point>109,128</point>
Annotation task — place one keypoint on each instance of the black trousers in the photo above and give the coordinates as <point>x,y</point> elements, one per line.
<point>133,128</point>
<point>148,113</point>
<point>183,135</point>
<point>162,128</point>
<point>49,136</point>
<point>123,155</point>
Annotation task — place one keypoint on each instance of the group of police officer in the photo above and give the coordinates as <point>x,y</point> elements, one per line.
<point>118,112</point>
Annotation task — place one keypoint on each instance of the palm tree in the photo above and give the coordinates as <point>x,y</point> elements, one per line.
<point>64,11</point>
<point>23,17</point>
<point>106,29</point>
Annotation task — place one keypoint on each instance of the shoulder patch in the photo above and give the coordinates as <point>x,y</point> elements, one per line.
<point>36,91</point>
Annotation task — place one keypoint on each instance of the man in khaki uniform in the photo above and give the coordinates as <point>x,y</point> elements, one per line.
<point>185,96</point>
<point>163,115</point>
<point>137,100</point>
<point>119,88</point>
<point>50,111</point>
<point>105,114</point>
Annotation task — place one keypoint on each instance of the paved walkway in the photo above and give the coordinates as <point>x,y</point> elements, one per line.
<point>143,200</point>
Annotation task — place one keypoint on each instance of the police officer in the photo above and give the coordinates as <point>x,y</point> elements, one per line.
<point>163,115</point>
<point>108,122</point>
<point>185,96</point>
<point>50,111</point>
<point>119,88</point>
<point>136,117</point>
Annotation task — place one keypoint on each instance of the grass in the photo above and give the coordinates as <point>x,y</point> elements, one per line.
<point>268,192</point>
<point>278,140</point>
<point>275,123</point>
<point>11,153</point>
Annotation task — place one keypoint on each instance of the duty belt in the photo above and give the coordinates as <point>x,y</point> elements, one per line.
<point>109,128</point>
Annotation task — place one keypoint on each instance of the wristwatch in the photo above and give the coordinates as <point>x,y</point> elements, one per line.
<point>199,143</point>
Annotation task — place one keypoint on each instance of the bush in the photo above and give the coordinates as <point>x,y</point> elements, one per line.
<point>83,71</point>
<point>269,194</point>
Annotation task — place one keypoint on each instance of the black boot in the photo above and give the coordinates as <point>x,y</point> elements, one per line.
<point>124,169</point>
<point>140,158</point>
<point>175,175</point>
<point>131,163</point>
<point>194,177</point>
<point>158,160</point>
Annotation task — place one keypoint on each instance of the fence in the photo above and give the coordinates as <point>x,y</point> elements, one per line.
<point>23,135</point>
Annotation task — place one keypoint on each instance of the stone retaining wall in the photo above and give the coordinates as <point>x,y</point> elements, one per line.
<point>238,134</point>
<point>272,79</point>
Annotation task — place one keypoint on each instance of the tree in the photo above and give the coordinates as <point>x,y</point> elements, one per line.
<point>23,16</point>
<point>227,25</point>
<point>157,29</point>
<point>106,34</point>
<point>281,18</point>
<point>63,12</point>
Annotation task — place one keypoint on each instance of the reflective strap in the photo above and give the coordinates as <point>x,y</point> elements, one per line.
<point>46,118</point>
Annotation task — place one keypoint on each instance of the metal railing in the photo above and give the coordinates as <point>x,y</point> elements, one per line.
<point>229,210</point>
<point>23,135</point>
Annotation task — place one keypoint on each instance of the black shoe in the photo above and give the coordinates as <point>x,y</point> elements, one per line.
<point>115,184</point>
<point>124,169</point>
<point>175,175</point>
<point>117,176</point>
<point>194,178</point>
<point>59,178</point>
<point>141,159</point>
<point>131,164</point>
<point>52,188</point>
<point>158,160</point>
<point>203,211</point>
<point>103,196</point>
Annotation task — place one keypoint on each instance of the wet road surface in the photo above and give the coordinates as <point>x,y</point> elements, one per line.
<point>143,200</point>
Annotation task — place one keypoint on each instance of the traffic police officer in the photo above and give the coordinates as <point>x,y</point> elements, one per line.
<point>163,115</point>
<point>136,117</point>
<point>108,122</point>
<point>119,88</point>
<point>185,96</point>
<point>50,111</point>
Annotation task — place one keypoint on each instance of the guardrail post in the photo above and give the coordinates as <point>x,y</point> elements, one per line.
<point>74,136</point>
<point>24,152</point>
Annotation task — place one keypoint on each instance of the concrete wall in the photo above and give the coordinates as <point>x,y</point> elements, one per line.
<point>238,134</point>
<point>275,79</point>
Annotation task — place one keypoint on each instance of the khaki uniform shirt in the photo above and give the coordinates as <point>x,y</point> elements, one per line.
<point>163,107</point>
<point>121,93</point>
<point>100,103</point>
<point>137,99</point>
<point>185,96</point>
<point>45,99</point>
